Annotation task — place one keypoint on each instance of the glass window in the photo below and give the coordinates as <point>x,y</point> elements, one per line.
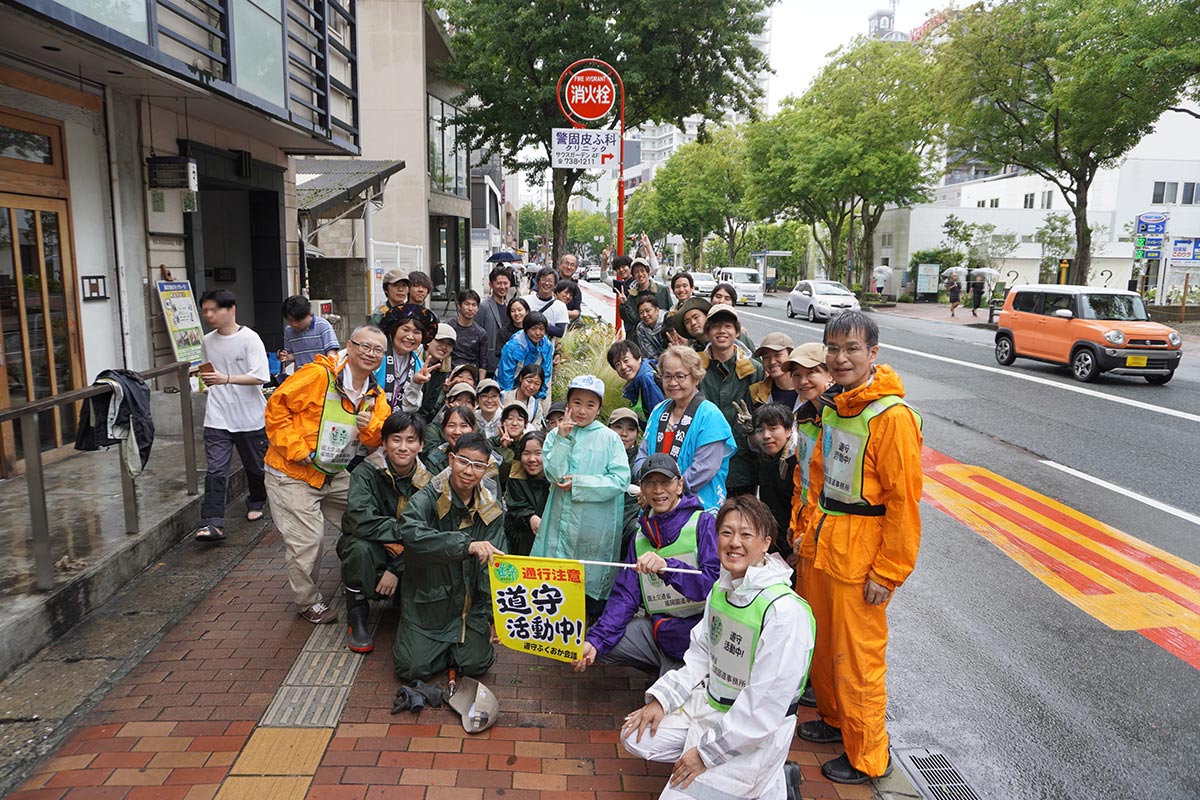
<point>124,16</point>
<point>1029,200</point>
<point>25,146</point>
<point>258,49</point>
<point>449,162</point>
<point>994,202</point>
<point>1057,302</point>
<point>1171,191</point>
<point>1026,302</point>
<point>1114,307</point>
<point>1159,189</point>
<point>1048,199</point>
<point>1189,194</point>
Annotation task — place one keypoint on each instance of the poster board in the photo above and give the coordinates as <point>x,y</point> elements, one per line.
<point>927,278</point>
<point>538,606</point>
<point>182,319</point>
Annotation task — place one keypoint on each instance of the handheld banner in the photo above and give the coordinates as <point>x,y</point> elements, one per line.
<point>538,604</point>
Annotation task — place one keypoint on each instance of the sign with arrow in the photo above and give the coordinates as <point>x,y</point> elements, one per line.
<point>580,148</point>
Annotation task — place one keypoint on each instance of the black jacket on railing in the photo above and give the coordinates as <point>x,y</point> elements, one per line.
<point>121,416</point>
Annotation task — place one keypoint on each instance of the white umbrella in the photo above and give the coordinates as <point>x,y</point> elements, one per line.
<point>882,273</point>
<point>986,272</point>
<point>955,271</point>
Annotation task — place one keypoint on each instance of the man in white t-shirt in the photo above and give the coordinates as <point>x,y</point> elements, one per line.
<point>544,301</point>
<point>234,369</point>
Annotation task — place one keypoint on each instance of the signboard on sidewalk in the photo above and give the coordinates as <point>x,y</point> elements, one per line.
<point>1185,252</point>
<point>579,148</point>
<point>183,321</point>
<point>538,606</point>
<point>927,278</point>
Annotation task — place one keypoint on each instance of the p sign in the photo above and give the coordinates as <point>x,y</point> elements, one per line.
<point>589,94</point>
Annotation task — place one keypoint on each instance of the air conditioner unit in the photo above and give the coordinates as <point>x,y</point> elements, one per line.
<point>173,172</point>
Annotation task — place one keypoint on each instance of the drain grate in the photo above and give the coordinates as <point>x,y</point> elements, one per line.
<point>934,776</point>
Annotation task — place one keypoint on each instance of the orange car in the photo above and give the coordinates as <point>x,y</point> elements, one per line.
<point>1093,330</point>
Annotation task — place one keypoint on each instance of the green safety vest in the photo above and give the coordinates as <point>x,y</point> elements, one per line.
<point>844,449</point>
<point>337,436</point>
<point>733,633</point>
<point>807,436</point>
<point>659,597</point>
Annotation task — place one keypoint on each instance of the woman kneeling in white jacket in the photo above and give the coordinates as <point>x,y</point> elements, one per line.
<point>726,717</point>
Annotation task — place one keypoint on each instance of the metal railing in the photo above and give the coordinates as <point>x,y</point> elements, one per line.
<point>34,478</point>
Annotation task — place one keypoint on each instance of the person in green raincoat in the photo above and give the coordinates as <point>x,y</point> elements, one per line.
<point>450,531</point>
<point>588,472</point>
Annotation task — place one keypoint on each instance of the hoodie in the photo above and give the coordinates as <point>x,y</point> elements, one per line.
<point>670,633</point>
<point>518,352</point>
<point>852,548</point>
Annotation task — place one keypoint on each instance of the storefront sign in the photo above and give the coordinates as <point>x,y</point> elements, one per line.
<point>538,606</point>
<point>183,321</point>
<point>579,148</point>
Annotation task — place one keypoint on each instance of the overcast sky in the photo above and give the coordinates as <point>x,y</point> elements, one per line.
<point>803,32</point>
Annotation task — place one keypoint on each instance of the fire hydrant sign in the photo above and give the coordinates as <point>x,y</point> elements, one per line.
<point>590,94</point>
<point>578,148</point>
<point>538,606</point>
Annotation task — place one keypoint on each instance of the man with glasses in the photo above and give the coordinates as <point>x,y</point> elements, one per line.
<point>315,423</point>
<point>566,270</point>
<point>450,531</point>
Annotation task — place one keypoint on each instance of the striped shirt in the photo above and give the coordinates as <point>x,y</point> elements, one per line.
<point>311,342</point>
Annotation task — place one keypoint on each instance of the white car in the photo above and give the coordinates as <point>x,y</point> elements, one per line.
<point>816,300</point>
<point>593,272</point>
<point>704,283</point>
<point>748,284</point>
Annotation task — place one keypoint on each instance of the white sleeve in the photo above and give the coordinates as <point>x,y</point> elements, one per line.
<point>784,646</point>
<point>256,357</point>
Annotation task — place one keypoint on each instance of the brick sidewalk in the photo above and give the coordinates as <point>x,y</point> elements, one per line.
<point>179,725</point>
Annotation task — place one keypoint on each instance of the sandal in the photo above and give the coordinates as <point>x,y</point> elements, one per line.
<point>254,515</point>
<point>210,533</point>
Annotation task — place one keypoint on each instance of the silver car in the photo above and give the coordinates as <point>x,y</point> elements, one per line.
<point>816,300</point>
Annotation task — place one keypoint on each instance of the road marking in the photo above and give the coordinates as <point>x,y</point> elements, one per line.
<point>1120,580</point>
<point>1010,374</point>
<point>1112,487</point>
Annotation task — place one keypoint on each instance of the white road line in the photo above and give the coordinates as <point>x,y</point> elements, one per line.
<point>1172,412</point>
<point>1112,487</point>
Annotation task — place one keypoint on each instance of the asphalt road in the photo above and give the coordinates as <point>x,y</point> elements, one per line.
<point>1026,694</point>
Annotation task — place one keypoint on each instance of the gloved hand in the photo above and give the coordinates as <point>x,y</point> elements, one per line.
<point>744,417</point>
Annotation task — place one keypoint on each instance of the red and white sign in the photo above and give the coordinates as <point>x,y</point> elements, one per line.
<point>589,94</point>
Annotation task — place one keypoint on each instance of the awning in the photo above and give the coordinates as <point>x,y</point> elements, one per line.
<point>329,187</point>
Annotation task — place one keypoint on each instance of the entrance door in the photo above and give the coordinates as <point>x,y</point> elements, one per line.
<point>40,338</point>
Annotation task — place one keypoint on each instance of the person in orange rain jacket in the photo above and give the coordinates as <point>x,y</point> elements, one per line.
<point>863,518</point>
<point>317,421</point>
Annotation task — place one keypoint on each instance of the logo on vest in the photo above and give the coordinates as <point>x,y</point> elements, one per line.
<point>714,631</point>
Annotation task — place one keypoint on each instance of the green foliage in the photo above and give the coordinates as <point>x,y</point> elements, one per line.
<point>979,242</point>
<point>531,225</point>
<point>904,298</point>
<point>677,58</point>
<point>786,235</point>
<point>945,257</point>
<point>641,214</point>
<point>1063,88</point>
<point>588,232</point>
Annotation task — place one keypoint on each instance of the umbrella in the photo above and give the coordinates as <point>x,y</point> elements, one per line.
<point>985,272</point>
<point>882,273</point>
<point>502,257</point>
<point>954,271</point>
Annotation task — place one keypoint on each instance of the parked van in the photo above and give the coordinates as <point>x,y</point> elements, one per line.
<point>747,282</point>
<point>1090,329</point>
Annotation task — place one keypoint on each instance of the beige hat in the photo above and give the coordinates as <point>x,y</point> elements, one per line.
<point>485,384</point>
<point>395,276</point>
<point>720,309</point>
<point>776,342</point>
<point>444,331</point>
<point>625,414</point>
<point>809,354</point>
<point>476,704</point>
<point>460,388</point>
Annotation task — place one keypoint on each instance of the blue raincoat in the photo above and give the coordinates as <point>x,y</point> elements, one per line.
<point>586,522</point>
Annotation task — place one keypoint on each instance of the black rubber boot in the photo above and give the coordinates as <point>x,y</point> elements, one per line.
<point>792,778</point>
<point>358,631</point>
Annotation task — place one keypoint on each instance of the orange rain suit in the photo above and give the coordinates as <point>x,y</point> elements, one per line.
<point>838,553</point>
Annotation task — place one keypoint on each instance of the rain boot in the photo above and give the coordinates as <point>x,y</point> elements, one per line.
<point>358,630</point>
<point>792,778</point>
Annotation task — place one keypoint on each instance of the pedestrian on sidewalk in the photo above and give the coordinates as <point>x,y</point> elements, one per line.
<point>775,445</point>
<point>627,424</point>
<point>234,369</point>
<point>451,529</point>
<point>866,526</point>
<point>650,335</point>
<point>305,336</point>
<point>777,387</point>
<point>493,315</point>
<point>725,719</point>
<point>525,390</point>
<point>586,465</point>
<point>316,422</point>
<point>419,287</point>
<point>545,303</point>
<point>531,345</point>
<point>673,531</point>
<point>370,545</point>
<point>976,296</point>
<point>954,290</point>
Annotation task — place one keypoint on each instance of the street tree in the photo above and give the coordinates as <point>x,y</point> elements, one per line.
<point>676,57</point>
<point>1062,88</point>
<point>641,214</point>
<point>1057,240</point>
<point>531,225</point>
<point>588,232</point>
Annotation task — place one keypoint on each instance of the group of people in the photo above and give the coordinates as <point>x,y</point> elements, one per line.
<point>764,498</point>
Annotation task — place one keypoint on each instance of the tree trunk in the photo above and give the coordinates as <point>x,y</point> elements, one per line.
<point>563,183</point>
<point>870,221</point>
<point>1082,265</point>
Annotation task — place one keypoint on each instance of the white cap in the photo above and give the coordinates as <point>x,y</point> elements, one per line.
<point>444,331</point>
<point>589,383</point>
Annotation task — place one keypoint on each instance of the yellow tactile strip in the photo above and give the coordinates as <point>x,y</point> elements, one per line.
<point>282,751</point>
<point>264,788</point>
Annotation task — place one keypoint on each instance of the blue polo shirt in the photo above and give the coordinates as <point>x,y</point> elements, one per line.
<point>311,342</point>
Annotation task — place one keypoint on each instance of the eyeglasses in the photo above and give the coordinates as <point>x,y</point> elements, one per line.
<point>369,351</point>
<point>675,377</point>
<point>466,463</point>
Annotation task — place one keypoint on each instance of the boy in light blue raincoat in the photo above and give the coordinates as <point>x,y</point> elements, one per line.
<point>588,471</point>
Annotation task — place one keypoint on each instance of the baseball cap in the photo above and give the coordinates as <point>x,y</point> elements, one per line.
<point>776,342</point>
<point>485,384</point>
<point>460,388</point>
<point>395,276</point>
<point>509,406</point>
<point>660,463</point>
<point>626,415</point>
<point>720,309</point>
<point>471,368</point>
<point>444,331</point>
<point>476,704</point>
<point>809,354</point>
<point>557,408</point>
<point>589,383</point>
